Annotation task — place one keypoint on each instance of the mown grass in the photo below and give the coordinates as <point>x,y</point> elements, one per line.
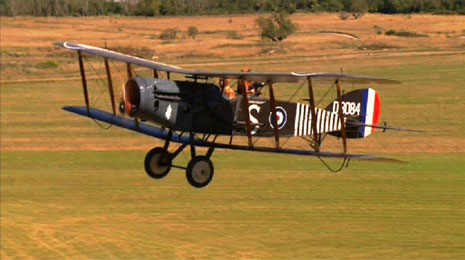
<point>67,200</point>
<point>84,204</point>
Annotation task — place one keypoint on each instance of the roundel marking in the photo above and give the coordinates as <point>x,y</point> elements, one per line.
<point>281,115</point>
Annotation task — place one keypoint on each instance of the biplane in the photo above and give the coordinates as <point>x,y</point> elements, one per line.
<point>194,112</point>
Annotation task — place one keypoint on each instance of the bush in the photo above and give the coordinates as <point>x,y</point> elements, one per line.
<point>343,15</point>
<point>390,32</point>
<point>277,27</point>
<point>234,35</point>
<point>192,31</point>
<point>404,33</point>
<point>169,34</point>
<point>376,46</point>
<point>410,34</point>
<point>357,15</point>
<point>46,65</point>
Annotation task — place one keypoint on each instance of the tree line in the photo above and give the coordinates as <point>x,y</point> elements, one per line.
<point>200,7</point>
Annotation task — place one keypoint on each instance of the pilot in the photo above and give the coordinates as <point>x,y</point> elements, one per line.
<point>228,92</point>
<point>246,83</point>
<point>257,87</point>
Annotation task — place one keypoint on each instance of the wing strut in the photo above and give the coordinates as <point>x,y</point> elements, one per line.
<point>273,114</point>
<point>129,70</point>
<point>84,81</point>
<point>341,116</point>
<point>245,107</point>
<point>110,86</point>
<point>313,112</point>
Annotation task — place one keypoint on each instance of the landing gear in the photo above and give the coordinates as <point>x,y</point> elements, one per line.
<point>199,172</point>
<point>157,163</point>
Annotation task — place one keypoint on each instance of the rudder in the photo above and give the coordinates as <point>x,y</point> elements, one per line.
<point>361,109</point>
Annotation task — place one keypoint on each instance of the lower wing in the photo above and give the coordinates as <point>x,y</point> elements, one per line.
<point>157,132</point>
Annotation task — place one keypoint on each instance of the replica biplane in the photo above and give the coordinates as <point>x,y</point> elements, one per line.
<point>194,112</point>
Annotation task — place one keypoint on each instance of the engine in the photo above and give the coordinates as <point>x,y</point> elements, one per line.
<point>178,105</point>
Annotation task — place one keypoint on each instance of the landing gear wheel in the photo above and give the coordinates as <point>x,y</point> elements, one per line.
<point>199,172</point>
<point>157,163</point>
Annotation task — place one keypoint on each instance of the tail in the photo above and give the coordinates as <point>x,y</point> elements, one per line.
<point>361,109</point>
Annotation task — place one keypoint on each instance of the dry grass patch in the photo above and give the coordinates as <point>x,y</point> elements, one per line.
<point>72,190</point>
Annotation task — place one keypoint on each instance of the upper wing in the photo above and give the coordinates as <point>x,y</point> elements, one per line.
<point>252,76</point>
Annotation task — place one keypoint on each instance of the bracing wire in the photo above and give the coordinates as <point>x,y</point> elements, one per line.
<point>293,95</point>
<point>326,93</point>
<point>298,89</point>
<point>101,81</point>
<point>345,163</point>
<point>106,127</point>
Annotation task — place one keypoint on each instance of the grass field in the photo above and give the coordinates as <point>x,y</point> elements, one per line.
<point>71,190</point>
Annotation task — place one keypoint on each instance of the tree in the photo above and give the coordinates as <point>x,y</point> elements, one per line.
<point>192,31</point>
<point>5,8</point>
<point>200,7</point>
<point>277,27</point>
<point>169,34</point>
<point>358,8</point>
<point>331,5</point>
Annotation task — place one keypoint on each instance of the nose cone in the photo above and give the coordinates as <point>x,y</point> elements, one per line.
<point>131,97</point>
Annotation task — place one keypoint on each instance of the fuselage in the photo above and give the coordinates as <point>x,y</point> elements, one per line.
<point>189,106</point>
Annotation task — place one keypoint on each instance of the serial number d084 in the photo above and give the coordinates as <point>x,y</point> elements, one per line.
<point>348,108</point>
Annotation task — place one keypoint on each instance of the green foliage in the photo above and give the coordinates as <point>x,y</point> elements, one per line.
<point>355,7</point>
<point>358,8</point>
<point>343,15</point>
<point>376,46</point>
<point>192,31</point>
<point>331,5</point>
<point>148,8</point>
<point>234,35</point>
<point>195,7</point>
<point>277,27</point>
<point>169,34</point>
<point>392,32</point>
<point>46,65</point>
